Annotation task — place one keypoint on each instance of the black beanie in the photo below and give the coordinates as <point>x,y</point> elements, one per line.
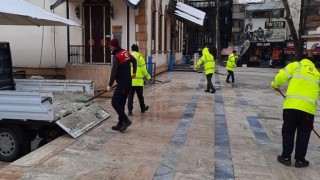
<point>134,47</point>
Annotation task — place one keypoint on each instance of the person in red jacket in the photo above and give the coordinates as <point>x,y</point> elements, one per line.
<point>121,72</point>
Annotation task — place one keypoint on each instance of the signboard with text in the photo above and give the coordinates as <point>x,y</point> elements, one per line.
<point>265,30</point>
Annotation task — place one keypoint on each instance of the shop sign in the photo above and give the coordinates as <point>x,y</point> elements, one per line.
<point>275,24</point>
<point>290,44</point>
<point>265,31</point>
<point>263,44</point>
<point>116,29</point>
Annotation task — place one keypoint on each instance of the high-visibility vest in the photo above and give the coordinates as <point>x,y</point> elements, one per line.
<point>303,88</point>
<point>141,70</point>
<point>231,63</point>
<point>207,60</point>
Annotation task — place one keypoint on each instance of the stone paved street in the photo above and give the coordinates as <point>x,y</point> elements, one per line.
<point>186,134</point>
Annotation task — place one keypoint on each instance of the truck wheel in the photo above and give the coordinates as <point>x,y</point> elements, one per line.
<point>10,144</point>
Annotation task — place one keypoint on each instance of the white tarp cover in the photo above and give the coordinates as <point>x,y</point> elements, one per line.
<point>190,13</point>
<point>19,12</point>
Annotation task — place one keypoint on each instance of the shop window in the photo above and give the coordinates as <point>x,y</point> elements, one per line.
<point>278,13</point>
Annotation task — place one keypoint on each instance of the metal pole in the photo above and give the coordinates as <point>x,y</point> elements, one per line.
<point>128,25</point>
<point>68,33</point>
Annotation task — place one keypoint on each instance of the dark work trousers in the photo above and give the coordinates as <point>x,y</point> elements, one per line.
<point>139,90</point>
<point>209,82</point>
<point>302,122</point>
<point>119,99</point>
<point>230,73</point>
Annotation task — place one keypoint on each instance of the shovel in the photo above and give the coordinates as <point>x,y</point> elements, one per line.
<point>164,81</point>
<point>285,97</point>
<point>90,99</point>
<point>219,73</point>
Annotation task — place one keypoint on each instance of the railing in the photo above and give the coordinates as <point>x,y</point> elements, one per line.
<point>152,70</point>
<point>76,54</point>
<point>81,54</point>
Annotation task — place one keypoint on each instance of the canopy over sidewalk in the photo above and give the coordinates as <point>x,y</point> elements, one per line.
<point>19,12</point>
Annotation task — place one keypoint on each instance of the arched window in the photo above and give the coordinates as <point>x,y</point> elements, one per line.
<point>160,21</point>
<point>153,25</point>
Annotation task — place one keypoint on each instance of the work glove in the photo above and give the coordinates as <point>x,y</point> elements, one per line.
<point>133,76</point>
<point>108,88</point>
<point>277,89</point>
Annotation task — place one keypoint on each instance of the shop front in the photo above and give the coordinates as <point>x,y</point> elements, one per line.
<point>260,54</point>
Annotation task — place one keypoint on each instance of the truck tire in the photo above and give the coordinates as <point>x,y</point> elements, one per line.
<point>10,144</point>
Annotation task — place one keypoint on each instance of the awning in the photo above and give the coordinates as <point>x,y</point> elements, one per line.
<point>19,12</point>
<point>186,13</point>
<point>133,3</point>
<point>316,51</point>
<point>290,50</point>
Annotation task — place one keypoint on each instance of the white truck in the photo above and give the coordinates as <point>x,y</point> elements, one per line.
<point>44,108</point>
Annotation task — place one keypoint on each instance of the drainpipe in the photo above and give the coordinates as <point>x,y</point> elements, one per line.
<point>68,33</point>
<point>128,33</point>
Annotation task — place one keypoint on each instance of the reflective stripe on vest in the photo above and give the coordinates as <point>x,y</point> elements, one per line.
<point>303,98</point>
<point>287,72</point>
<point>204,64</point>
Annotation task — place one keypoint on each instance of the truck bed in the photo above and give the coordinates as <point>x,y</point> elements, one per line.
<point>53,101</point>
<point>65,104</point>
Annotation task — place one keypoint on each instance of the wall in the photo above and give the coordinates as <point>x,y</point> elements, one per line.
<point>28,51</point>
<point>33,46</point>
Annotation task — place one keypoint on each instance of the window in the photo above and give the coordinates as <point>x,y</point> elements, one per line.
<point>166,19</point>
<point>277,13</point>
<point>160,19</point>
<point>153,26</point>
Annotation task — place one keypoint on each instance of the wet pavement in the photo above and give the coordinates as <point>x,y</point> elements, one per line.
<point>186,134</point>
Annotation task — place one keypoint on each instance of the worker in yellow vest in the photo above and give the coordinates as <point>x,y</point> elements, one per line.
<point>231,65</point>
<point>207,60</point>
<point>138,82</point>
<point>299,108</point>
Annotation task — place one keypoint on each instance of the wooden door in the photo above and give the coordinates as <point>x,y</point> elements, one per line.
<point>97,31</point>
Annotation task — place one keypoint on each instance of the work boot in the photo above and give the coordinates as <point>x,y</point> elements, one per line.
<point>213,91</point>
<point>130,113</point>
<point>227,81</point>
<point>125,125</point>
<point>144,109</point>
<point>285,161</point>
<point>207,90</point>
<point>117,127</point>
<point>300,164</point>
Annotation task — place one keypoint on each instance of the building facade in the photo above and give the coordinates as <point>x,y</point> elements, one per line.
<point>83,52</point>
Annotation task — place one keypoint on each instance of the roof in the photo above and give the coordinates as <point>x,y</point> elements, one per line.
<point>265,6</point>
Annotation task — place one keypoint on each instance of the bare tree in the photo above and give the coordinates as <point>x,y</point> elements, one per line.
<point>296,35</point>
<point>218,45</point>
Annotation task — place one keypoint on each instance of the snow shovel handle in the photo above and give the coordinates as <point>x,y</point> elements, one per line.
<point>281,93</point>
<point>285,97</point>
